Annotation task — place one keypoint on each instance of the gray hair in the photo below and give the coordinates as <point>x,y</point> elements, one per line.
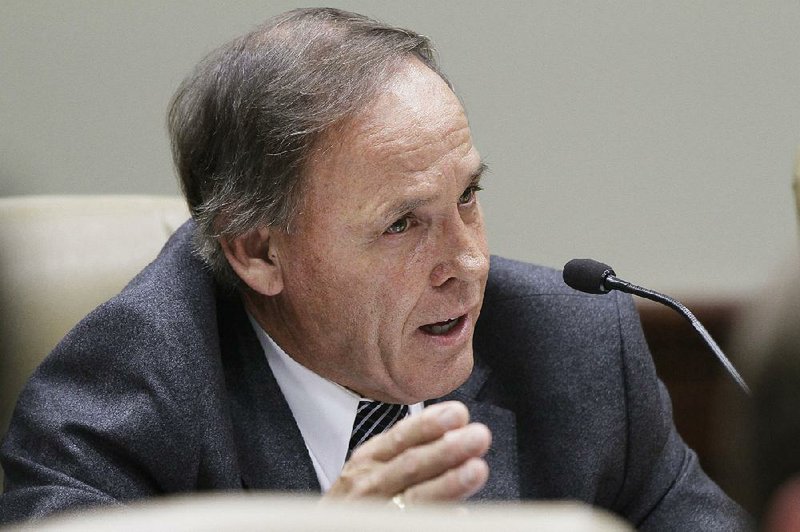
<point>244,124</point>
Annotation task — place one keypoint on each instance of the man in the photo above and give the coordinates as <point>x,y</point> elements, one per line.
<point>338,256</point>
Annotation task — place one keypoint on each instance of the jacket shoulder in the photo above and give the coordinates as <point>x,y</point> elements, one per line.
<point>512,278</point>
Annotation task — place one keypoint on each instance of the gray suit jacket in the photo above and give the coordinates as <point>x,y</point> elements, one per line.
<point>165,389</point>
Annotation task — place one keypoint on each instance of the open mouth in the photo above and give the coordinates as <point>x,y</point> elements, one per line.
<point>442,327</point>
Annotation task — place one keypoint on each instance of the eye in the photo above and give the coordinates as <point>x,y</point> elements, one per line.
<point>399,226</point>
<point>468,195</point>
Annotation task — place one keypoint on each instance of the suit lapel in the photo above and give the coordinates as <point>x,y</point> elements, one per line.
<point>503,483</point>
<point>272,453</point>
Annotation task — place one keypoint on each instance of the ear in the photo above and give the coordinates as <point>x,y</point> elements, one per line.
<point>255,261</point>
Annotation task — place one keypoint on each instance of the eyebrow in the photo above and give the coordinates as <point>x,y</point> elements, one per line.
<point>478,174</point>
<point>412,204</point>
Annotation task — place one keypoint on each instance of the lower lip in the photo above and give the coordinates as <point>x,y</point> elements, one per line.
<point>455,336</point>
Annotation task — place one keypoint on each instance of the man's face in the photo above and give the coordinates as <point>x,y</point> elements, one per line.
<point>385,266</point>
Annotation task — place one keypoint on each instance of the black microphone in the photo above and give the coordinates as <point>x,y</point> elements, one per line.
<point>590,276</point>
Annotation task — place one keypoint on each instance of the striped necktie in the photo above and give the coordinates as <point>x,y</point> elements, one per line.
<point>374,417</point>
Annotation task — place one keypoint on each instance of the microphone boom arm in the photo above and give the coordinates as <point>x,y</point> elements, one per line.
<point>615,283</point>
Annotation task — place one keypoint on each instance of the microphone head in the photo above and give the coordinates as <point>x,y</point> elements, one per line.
<point>587,275</point>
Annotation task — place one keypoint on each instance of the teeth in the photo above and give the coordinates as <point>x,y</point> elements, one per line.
<point>445,327</point>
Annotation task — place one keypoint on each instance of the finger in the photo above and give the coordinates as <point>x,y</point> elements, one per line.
<point>457,484</point>
<point>432,460</point>
<point>431,424</point>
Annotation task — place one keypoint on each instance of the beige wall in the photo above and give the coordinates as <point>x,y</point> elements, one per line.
<point>656,136</point>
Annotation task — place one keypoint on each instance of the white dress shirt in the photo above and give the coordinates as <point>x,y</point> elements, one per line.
<point>324,411</point>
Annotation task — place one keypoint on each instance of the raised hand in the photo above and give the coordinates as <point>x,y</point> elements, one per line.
<point>433,456</point>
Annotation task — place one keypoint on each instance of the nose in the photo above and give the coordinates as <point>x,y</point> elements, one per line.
<point>463,250</point>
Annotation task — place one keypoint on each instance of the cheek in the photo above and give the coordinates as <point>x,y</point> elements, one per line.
<point>392,308</point>
<point>351,304</point>
<point>318,290</point>
<point>358,301</point>
<point>404,298</point>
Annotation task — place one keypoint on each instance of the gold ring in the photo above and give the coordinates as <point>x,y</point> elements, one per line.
<point>399,501</point>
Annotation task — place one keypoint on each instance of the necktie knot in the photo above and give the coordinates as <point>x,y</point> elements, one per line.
<point>374,417</point>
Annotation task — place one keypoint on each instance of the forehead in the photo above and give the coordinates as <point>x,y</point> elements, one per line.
<point>415,128</point>
<point>417,118</point>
